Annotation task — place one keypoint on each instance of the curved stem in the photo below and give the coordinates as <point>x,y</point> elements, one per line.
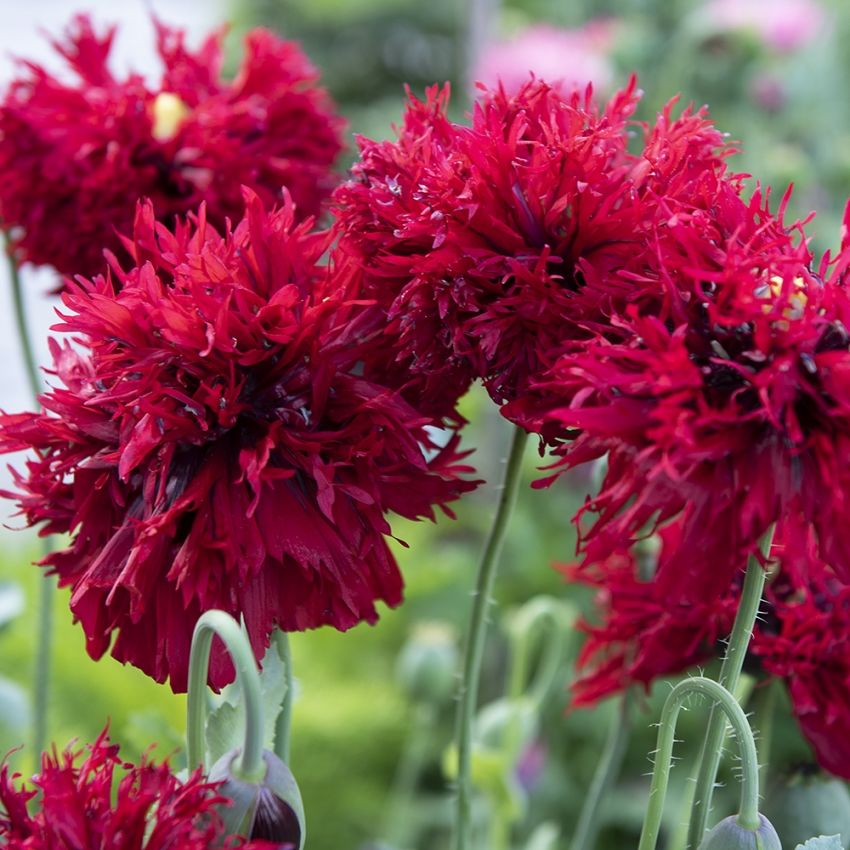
<point>748,816</point>
<point>283,725</point>
<point>730,671</point>
<point>606,774</point>
<point>475,638</point>
<point>217,623</point>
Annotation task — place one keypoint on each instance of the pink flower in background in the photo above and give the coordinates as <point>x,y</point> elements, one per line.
<point>572,58</point>
<point>784,25</point>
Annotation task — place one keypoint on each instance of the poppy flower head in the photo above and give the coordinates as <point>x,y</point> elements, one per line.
<point>80,152</point>
<point>494,245</point>
<point>724,402</point>
<point>211,443</point>
<point>78,809</point>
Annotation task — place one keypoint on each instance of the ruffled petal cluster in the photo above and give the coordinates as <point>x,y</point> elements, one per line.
<point>211,442</point>
<point>76,154</point>
<point>640,635</point>
<point>492,245</point>
<point>723,407</point>
<point>91,800</point>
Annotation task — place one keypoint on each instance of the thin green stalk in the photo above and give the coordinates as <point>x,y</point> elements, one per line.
<point>730,672</point>
<point>605,776</point>
<point>414,756</point>
<point>475,639</point>
<point>748,814</point>
<point>44,618</point>
<point>283,725</point>
<point>43,652</point>
<point>27,351</point>
<point>250,766</point>
<point>765,711</point>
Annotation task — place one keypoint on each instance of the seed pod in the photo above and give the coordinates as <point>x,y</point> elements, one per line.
<point>730,835</point>
<point>269,809</point>
<point>427,665</point>
<point>805,804</point>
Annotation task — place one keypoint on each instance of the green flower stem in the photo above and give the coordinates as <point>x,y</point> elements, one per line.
<point>250,767</point>
<point>44,619</point>
<point>765,711</point>
<point>414,756</point>
<point>475,639</point>
<point>27,351</point>
<point>730,671</point>
<point>606,774</point>
<point>283,725</point>
<point>748,815</point>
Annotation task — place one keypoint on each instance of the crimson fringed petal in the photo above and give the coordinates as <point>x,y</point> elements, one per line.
<point>491,246</point>
<point>721,404</point>
<point>79,152</point>
<point>89,799</point>
<point>211,442</point>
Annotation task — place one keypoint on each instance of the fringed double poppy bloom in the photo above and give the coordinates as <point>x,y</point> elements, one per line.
<point>640,635</point>
<point>485,243</point>
<point>725,405</point>
<point>92,800</point>
<point>211,443</point>
<point>76,155</point>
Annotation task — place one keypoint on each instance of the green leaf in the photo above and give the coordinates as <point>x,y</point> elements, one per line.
<point>11,601</point>
<point>822,842</point>
<point>226,722</point>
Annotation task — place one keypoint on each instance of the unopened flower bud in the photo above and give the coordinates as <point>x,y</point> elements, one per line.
<point>730,835</point>
<point>269,809</point>
<point>806,804</point>
<point>428,663</point>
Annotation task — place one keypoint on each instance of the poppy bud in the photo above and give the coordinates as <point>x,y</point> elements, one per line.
<point>730,835</point>
<point>269,809</point>
<point>427,664</point>
<point>804,804</point>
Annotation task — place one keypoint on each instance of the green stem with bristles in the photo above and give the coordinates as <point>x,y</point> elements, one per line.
<point>44,618</point>
<point>475,639</point>
<point>250,766</point>
<point>730,672</point>
<point>748,814</point>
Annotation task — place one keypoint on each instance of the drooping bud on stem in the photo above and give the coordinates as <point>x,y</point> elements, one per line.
<point>269,809</point>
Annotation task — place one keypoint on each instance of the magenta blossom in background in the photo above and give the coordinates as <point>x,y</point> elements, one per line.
<point>783,25</point>
<point>572,58</point>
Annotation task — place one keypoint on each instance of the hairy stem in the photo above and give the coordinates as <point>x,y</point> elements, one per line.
<point>748,815</point>
<point>475,639</point>
<point>730,672</point>
<point>44,618</point>
<point>250,766</point>
<point>605,776</point>
<point>283,725</point>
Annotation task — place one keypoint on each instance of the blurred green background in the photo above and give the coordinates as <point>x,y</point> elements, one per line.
<point>783,94</point>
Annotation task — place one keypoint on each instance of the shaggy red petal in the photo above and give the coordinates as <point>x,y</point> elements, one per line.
<point>76,155</point>
<point>214,445</point>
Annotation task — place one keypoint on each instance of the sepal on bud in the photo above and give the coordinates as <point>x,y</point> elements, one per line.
<point>427,665</point>
<point>730,835</point>
<point>269,808</point>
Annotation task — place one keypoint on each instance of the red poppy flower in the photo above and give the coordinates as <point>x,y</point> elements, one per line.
<point>725,406</point>
<point>490,245</point>
<point>76,155</point>
<point>216,446</point>
<point>641,635</point>
<point>79,806</point>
